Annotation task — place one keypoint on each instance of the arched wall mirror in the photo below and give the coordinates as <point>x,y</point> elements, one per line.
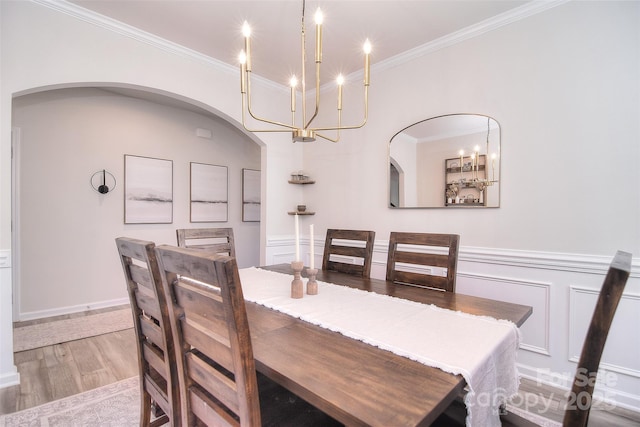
<point>449,161</point>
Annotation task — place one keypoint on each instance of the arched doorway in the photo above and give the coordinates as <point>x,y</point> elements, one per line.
<point>63,233</point>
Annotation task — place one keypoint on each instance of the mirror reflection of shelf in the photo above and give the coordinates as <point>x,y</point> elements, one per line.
<point>301,181</point>
<point>467,183</point>
<point>464,170</point>
<point>461,204</point>
<point>301,213</point>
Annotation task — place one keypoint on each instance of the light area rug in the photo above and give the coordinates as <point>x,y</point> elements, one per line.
<point>113,405</point>
<point>58,331</point>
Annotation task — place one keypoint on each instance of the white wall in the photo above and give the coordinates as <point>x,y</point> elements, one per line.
<point>52,45</point>
<point>563,84</point>
<point>431,180</point>
<point>567,103</point>
<point>66,229</point>
<point>404,154</point>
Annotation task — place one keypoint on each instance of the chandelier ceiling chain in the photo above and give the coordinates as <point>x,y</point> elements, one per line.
<point>302,132</point>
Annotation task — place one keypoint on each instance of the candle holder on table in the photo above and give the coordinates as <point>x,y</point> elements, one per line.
<point>297,288</point>
<point>312,285</point>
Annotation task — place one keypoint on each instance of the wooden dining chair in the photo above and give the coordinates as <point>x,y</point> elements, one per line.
<point>580,398</point>
<point>581,394</point>
<point>352,244</point>
<point>215,240</point>
<point>218,381</point>
<point>156,355</point>
<point>421,258</point>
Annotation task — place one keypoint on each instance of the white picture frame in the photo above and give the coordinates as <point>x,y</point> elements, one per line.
<point>148,190</point>
<point>251,201</point>
<point>209,195</point>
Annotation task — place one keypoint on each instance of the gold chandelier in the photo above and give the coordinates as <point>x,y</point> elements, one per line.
<point>474,160</point>
<point>301,129</point>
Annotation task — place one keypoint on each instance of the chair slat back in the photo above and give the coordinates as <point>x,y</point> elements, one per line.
<point>156,355</point>
<point>606,306</point>
<point>412,258</point>
<point>214,240</point>
<point>211,332</point>
<point>353,244</point>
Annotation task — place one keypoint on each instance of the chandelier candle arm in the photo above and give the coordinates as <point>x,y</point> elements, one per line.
<point>245,85</point>
<point>472,157</point>
<point>319,18</point>
<point>493,167</point>
<point>340,81</point>
<point>480,184</point>
<point>243,73</point>
<point>293,82</point>
<point>303,56</point>
<point>246,31</point>
<point>476,160</point>
<point>367,62</point>
<point>318,59</point>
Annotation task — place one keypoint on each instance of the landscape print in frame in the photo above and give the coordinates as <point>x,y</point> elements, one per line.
<point>148,190</point>
<point>250,195</point>
<point>209,193</point>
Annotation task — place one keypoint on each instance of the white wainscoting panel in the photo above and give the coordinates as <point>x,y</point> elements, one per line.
<point>622,350</point>
<point>535,331</point>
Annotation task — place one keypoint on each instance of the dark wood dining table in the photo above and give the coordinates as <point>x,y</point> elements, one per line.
<point>354,382</point>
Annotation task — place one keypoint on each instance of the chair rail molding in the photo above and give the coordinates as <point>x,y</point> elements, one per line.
<point>5,258</point>
<point>580,263</point>
<point>567,262</point>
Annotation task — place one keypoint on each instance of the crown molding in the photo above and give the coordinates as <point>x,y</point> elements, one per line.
<point>139,35</point>
<point>475,30</point>
<point>498,21</point>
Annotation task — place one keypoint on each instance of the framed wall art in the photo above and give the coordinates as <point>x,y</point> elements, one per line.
<point>209,193</point>
<point>250,195</point>
<point>148,190</point>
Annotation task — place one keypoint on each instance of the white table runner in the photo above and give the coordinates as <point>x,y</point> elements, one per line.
<point>481,349</point>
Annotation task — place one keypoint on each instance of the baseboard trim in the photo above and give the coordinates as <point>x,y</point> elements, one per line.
<point>9,379</point>
<point>32,315</point>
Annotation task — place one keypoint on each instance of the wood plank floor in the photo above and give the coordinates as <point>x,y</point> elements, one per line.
<point>61,370</point>
<point>550,402</point>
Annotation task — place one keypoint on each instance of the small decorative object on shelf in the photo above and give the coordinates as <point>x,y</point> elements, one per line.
<point>297,288</point>
<point>301,210</point>
<point>312,285</point>
<point>300,178</point>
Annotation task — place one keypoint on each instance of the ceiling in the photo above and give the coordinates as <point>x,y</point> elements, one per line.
<point>213,28</point>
